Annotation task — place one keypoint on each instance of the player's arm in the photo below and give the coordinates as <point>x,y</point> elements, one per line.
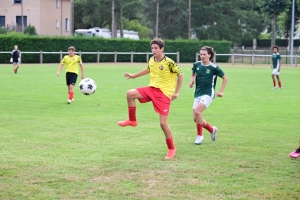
<point>82,70</point>
<point>279,65</point>
<point>59,69</point>
<point>178,86</point>
<point>224,83</point>
<point>192,82</point>
<point>141,73</point>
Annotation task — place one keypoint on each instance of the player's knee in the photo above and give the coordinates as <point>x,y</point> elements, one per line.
<point>198,112</point>
<point>131,93</point>
<point>164,125</point>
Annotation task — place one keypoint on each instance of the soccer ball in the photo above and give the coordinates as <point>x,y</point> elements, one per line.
<point>87,86</point>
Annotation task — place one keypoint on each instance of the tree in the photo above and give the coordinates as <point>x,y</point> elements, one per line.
<point>218,20</point>
<point>273,8</point>
<point>173,17</point>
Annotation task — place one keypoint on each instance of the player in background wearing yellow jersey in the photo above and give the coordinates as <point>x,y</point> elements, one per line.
<point>71,62</point>
<point>161,90</point>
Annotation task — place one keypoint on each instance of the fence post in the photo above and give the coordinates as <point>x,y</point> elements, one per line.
<point>115,57</point>
<point>296,60</point>
<point>98,56</point>
<point>80,53</point>
<point>232,59</point>
<point>60,55</point>
<point>131,57</point>
<point>215,58</point>
<point>147,56</point>
<point>178,57</point>
<point>41,57</point>
<point>20,57</point>
<point>252,59</point>
<point>196,57</point>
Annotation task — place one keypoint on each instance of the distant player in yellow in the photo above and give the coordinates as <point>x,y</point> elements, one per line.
<point>161,90</point>
<point>71,62</point>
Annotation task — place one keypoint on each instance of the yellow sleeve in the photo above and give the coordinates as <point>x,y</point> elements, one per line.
<point>174,68</point>
<point>63,61</point>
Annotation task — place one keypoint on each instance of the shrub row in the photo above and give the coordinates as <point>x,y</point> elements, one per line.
<point>267,43</point>
<point>187,48</point>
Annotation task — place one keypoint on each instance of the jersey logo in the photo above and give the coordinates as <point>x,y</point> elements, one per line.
<point>161,67</point>
<point>207,71</point>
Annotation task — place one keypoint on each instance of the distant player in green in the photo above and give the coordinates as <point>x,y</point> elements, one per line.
<point>276,64</point>
<point>205,74</point>
<point>71,62</point>
<point>15,58</point>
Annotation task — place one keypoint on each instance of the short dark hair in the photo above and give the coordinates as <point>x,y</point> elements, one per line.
<point>210,51</point>
<point>71,48</point>
<point>276,47</point>
<point>158,41</point>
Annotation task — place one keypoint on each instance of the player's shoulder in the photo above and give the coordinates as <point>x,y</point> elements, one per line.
<point>198,63</point>
<point>213,65</point>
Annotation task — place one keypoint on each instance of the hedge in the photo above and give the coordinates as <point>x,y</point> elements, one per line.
<point>187,48</point>
<point>267,43</point>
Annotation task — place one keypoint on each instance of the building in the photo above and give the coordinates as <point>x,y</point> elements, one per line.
<point>49,17</point>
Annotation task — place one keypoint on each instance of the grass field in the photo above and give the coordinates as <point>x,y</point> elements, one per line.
<point>52,150</point>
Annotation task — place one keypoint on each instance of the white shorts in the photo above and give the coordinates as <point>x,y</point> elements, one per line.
<point>16,63</point>
<point>205,99</point>
<point>275,71</point>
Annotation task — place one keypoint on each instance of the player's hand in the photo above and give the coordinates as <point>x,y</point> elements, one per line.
<point>57,74</point>
<point>174,96</point>
<point>191,84</point>
<point>82,76</point>
<point>128,75</point>
<point>219,94</point>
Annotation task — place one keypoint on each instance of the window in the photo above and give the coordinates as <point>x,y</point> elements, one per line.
<point>57,23</point>
<point>67,24</point>
<point>57,3</point>
<point>19,23</point>
<point>2,21</point>
<point>17,1</point>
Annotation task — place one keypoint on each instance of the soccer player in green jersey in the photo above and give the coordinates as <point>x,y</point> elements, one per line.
<point>205,74</point>
<point>276,64</point>
<point>71,62</point>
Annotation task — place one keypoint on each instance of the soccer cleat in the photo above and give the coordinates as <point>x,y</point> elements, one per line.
<point>171,153</point>
<point>213,133</point>
<point>127,123</point>
<point>199,139</point>
<point>274,87</point>
<point>70,101</point>
<point>295,154</point>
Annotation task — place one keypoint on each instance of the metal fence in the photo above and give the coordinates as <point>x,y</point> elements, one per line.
<point>115,53</point>
<point>255,58</point>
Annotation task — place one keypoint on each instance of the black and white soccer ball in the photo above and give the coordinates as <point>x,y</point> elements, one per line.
<point>87,86</point>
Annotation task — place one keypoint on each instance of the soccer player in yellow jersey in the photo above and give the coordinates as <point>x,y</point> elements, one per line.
<point>71,62</point>
<point>161,90</point>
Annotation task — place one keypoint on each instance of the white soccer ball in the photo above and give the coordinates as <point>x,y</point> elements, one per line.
<point>87,86</point>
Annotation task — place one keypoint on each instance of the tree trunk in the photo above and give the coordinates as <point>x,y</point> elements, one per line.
<point>121,23</point>
<point>273,30</point>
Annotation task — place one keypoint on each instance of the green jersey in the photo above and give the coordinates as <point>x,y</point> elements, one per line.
<point>276,60</point>
<point>206,78</point>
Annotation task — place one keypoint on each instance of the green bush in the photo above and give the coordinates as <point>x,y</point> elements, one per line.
<point>187,48</point>
<point>30,30</point>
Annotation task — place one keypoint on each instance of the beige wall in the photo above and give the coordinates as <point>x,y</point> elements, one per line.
<point>40,13</point>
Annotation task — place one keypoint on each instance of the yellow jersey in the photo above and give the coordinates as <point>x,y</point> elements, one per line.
<point>71,63</point>
<point>163,74</point>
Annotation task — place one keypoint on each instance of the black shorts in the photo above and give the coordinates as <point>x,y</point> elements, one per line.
<point>71,78</point>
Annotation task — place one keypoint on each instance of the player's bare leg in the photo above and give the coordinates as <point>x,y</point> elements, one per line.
<point>131,96</point>
<point>274,81</point>
<point>278,80</point>
<point>163,120</point>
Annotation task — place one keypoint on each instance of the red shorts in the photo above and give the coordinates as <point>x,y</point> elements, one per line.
<point>160,101</point>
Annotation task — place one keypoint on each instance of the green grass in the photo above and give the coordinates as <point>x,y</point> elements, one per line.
<point>52,150</point>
